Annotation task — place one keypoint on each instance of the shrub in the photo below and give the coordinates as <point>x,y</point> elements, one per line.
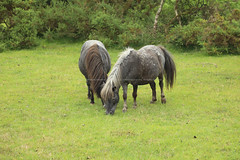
<point>132,34</point>
<point>217,35</point>
<point>61,20</point>
<point>2,44</point>
<point>105,27</point>
<point>17,25</point>
<point>187,36</point>
<point>23,32</point>
<point>222,35</point>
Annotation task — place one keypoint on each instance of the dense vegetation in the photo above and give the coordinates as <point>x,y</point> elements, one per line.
<point>212,25</point>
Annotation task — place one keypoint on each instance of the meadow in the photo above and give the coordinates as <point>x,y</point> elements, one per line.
<point>45,113</point>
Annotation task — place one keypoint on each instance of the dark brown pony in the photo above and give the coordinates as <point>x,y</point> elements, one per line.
<point>94,63</point>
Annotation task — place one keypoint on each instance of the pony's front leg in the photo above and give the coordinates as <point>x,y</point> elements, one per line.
<point>125,87</point>
<point>89,94</point>
<point>92,97</point>
<point>103,103</point>
<point>134,94</point>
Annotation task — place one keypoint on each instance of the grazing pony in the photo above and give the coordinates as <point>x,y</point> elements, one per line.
<point>138,68</point>
<point>94,63</point>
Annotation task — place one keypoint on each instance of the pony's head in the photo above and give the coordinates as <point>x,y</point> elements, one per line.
<point>110,91</point>
<point>110,97</point>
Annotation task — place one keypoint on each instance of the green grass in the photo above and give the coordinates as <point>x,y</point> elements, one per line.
<point>45,113</point>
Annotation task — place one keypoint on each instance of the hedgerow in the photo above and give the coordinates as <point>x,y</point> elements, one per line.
<point>121,23</point>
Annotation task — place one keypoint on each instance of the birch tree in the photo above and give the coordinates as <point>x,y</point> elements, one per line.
<point>176,13</point>
<point>157,15</point>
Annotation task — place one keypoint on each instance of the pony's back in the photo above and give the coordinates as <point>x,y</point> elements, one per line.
<point>103,53</point>
<point>89,43</point>
<point>166,63</point>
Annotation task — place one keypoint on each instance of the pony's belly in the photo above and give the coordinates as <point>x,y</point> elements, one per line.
<point>141,81</point>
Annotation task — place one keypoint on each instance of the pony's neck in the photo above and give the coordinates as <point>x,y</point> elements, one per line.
<point>95,69</point>
<point>114,80</point>
<point>99,85</point>
<point>115,76</point>
<point>116,73</point>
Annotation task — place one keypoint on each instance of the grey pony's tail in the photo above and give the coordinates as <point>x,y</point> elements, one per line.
<point>169,67</point>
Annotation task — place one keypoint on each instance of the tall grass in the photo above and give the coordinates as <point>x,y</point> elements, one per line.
<point>45,113</point>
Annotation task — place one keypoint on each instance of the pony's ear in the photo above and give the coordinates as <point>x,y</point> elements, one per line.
<point>113,88</point>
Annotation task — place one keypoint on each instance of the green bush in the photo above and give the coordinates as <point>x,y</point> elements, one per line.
<point>189,35</point>
<point>23,32</point>
<point>61,20</point>
<point>216,36</point>
<point>17,25</point>
<point>213,26</point>
<point>105,27</point>
<point>2,44</point>
<point>222,35</point>
<point>132,34</point>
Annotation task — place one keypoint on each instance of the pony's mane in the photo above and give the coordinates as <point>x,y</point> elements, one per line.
<point>94,68</point>
<point>114,78</point>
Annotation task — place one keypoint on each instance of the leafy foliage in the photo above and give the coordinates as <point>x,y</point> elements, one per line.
<point>222,35</point>
<point>217,35</point>
<point>64,20</point>
<point>23,33</point>
<point>18,28</point>
<point>105,27</point>
<point>208,24</point>
<point>188,35</point>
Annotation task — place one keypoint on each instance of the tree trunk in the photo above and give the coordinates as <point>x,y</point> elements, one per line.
<point>157,15</point>
<point>176,13</point>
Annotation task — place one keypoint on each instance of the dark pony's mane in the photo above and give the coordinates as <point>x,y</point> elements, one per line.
<point>94,68</point>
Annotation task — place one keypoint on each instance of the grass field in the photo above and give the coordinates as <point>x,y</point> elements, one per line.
<point>45,113</point>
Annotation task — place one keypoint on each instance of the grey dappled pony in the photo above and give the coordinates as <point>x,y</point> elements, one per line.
<point>94,63</point>
<point>138,67</point>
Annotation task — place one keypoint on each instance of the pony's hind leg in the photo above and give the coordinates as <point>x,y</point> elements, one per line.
<point>134,94</point>
<point>153,87</point>
<point>125,87</point>
<point>163,99</point>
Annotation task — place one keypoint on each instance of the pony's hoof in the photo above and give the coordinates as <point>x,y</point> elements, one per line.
<point>152,102</point>
<point>163,100</point>
<point>124,110</point>
<point>134,106</point>
<point>92,103</point>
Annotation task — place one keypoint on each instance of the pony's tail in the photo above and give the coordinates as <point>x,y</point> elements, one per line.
<point>95,71</point>
<point>169,67</point>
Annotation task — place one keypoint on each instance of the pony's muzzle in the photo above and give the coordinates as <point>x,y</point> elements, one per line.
<point>110,112</point>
